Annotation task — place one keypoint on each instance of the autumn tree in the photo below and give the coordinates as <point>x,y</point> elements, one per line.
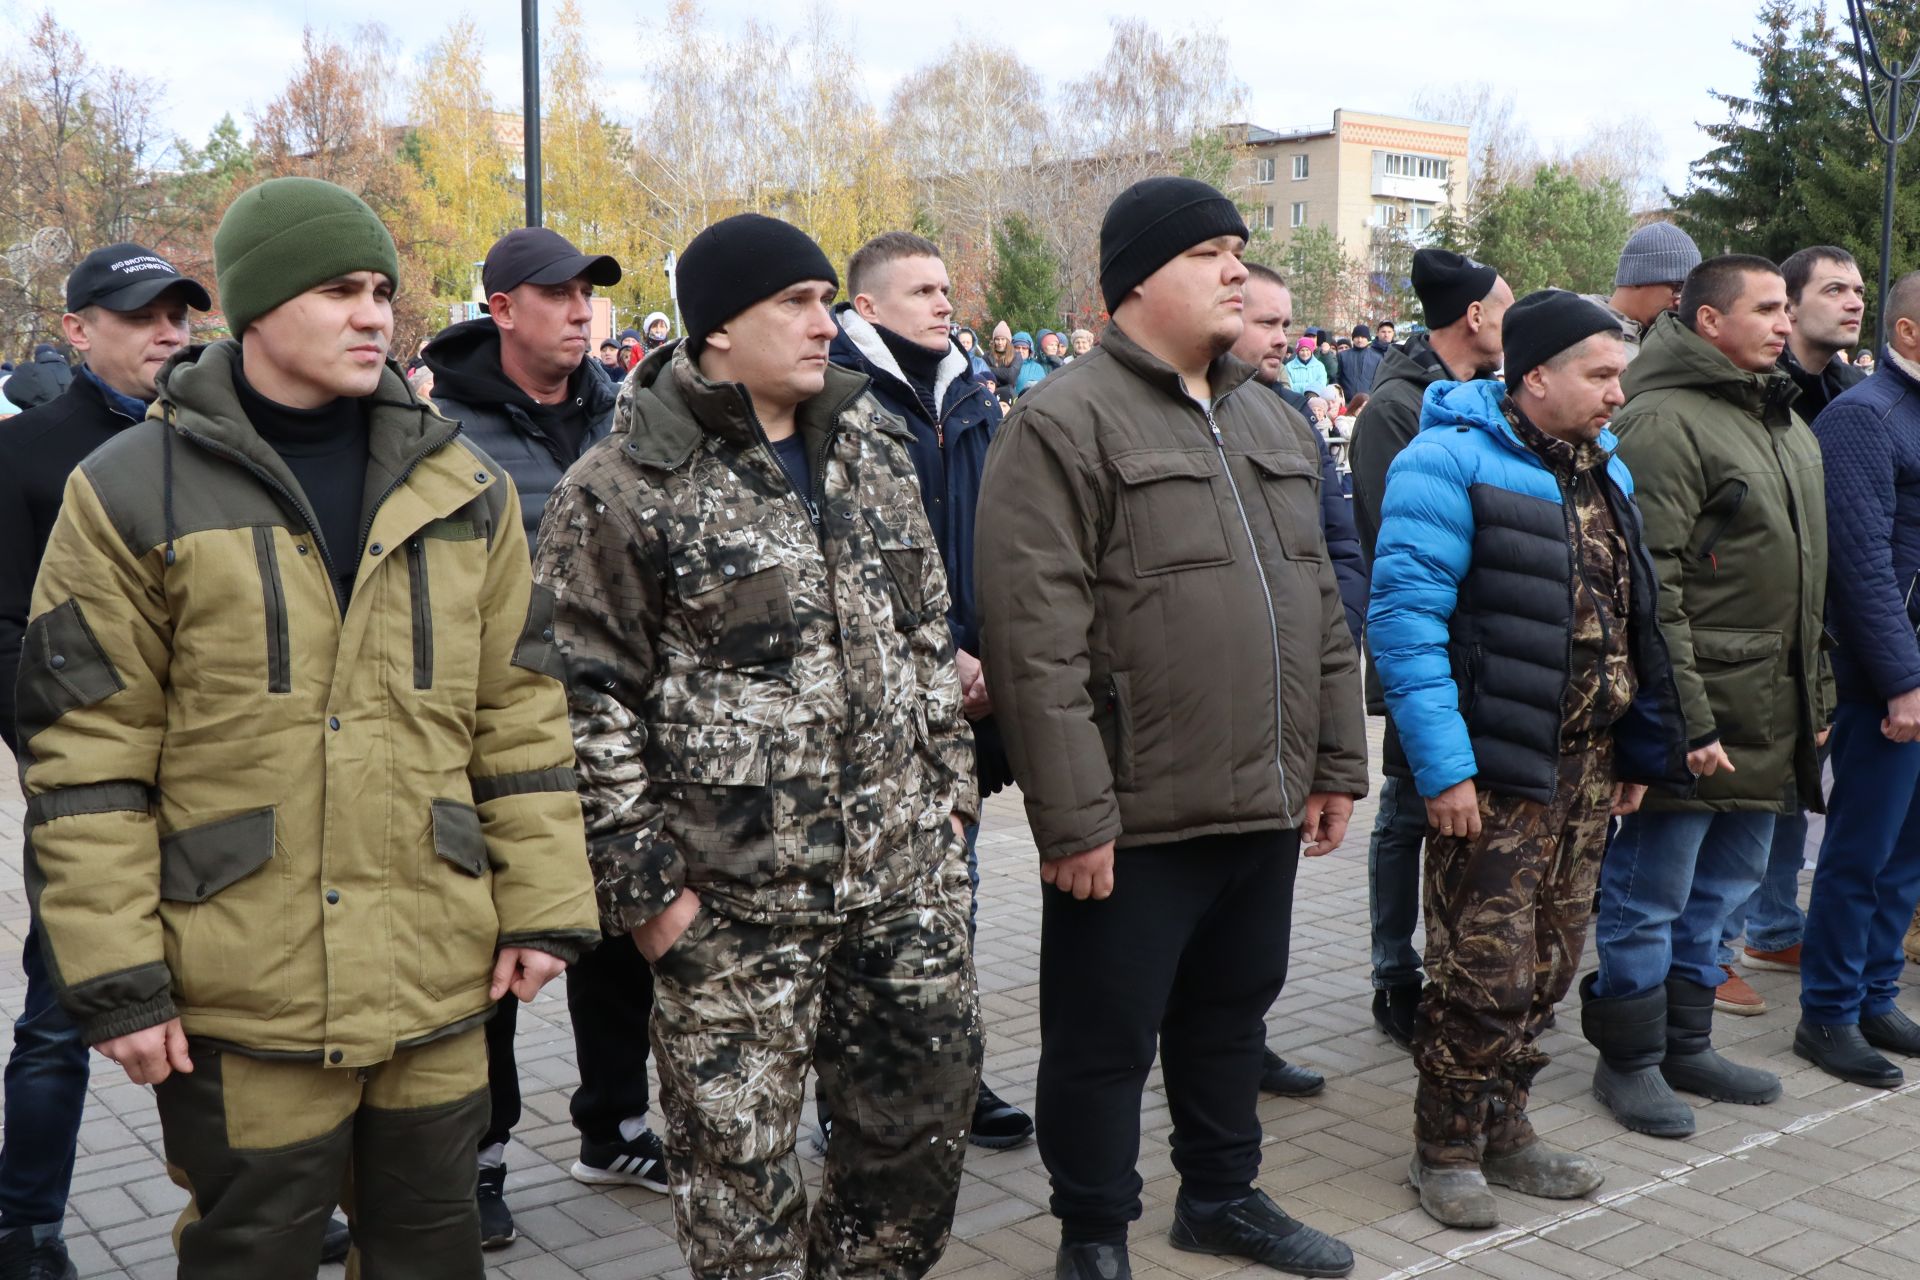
<point>466,197</point>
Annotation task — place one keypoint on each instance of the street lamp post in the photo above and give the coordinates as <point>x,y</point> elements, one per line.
<point>1899,88</point>
<point>530,97</point>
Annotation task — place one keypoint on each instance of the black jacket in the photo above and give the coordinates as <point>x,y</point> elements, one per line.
<point>38,449</point>
<point>1818,390</point>
<point>949,456</point>
<point>504,421</point>
<point>1336,519</point>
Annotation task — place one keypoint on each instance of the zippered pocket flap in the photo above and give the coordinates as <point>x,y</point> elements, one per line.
<point>1717,515</point>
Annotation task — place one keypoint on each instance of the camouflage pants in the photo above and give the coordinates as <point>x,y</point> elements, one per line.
<point>1506,920</point>
<point>883,1005</point>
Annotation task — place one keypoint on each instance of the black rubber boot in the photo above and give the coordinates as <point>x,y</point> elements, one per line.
<point>1693,1064</point>
<point>1631,1034</point>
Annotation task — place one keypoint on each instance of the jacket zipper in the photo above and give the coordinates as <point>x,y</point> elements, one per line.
<point>1266,594</point>
<point>266,477</point>
<point>279,665</point>
<point>422,614</point>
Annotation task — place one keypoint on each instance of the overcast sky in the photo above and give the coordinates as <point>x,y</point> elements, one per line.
<point>1568,64</point>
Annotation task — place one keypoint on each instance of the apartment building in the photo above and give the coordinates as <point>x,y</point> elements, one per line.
<point>1367,173</point>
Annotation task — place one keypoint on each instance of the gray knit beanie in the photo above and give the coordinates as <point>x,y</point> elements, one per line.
<point>1658,253</point>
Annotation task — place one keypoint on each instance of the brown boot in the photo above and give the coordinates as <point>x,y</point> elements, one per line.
<point>1912,945</point>
<point>1515,1156</point>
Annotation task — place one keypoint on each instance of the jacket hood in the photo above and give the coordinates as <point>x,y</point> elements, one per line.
<point>1480,403</point>
<point>465,359</point>
<point>1674,357</point>
<point>859,346</point>
<point>1415,363</point>
<point>667,405</point>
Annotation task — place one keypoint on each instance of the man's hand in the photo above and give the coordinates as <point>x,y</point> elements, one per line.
<point>1456,811</point>
<point>523,970</point>
<point>1820,738</point>
<point>152,1055</point>
<point>1326,823</point>
<point>656,935</point>
<point>1709,760</point>
<point>1084,875</point>
<point>974,702</point>
<point>1903,717</point>
<point>1627,797</point>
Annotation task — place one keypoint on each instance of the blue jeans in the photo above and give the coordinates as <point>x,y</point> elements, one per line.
<point>46,1089</point>
<point>1771,919</point>
<point>1666,889</point>
<point>1868,876</point>
<point>1393,883</point>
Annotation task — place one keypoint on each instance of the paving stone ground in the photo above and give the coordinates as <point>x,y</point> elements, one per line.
<point>1824,1183</point>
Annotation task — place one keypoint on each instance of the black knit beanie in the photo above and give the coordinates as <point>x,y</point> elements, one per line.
<point>738,261</point>
<point>1447,283</point>
<point>1542,325</point>
<point>1154,221</point>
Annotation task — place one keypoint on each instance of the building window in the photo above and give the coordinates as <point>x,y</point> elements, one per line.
<point>1422,216</point>
<point>1299,213</point>
<point>1263,169</point>
<point>1384,215</point>
<point>1267,221</point>
<point>1404,166</point>
<point>1299,167</point>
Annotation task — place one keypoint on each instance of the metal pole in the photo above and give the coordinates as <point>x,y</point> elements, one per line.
<point>530,96</point>
<point>1892,131</point>
<point>1886,230</point>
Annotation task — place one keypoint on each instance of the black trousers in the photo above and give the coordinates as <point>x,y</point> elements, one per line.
<point>610,1003</point>
<point>1191,947</point>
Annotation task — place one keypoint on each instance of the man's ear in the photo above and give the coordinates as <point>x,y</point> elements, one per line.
<point>720,340</point>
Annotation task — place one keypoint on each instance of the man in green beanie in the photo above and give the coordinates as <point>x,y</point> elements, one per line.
<point>301,797</point>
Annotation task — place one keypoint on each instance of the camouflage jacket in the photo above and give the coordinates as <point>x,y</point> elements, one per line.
<point>764,712</point>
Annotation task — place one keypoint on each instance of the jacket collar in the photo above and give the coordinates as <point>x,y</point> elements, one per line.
<point>671,406</point>
<point>129,407</point>
<point>862,339</point>
<point>1482,403</point>
<point>1673,356</point>
<point>1223,375</point>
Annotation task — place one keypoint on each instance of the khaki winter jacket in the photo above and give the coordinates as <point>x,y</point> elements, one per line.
<point>1164,638</point>
<point>305,833</point>
<point>1732,489</point>
<point>764,710</point>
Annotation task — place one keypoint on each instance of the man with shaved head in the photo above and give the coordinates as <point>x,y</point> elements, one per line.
<point>1868,877</point>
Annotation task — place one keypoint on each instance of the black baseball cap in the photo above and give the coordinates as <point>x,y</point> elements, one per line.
<point>126,277</point>
<point>538,255</point>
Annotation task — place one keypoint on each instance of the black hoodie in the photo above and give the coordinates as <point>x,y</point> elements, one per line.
<point>534,443</point>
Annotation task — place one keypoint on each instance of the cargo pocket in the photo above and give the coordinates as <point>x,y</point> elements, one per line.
<point>718,779</point>
<point>1744,673</point>
<point>459,927</point>
<point>1291,485</point>
<point>737,603</point>
<point>1172,517</point>
<point>226,904</point>
<point>905,566</point>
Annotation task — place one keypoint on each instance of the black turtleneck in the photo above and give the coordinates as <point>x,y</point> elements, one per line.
<point>920,365</point>
<point>326,449</point>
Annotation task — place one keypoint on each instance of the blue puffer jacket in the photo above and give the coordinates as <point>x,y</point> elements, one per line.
<point>1870,439</point>
<point>1471,616</point>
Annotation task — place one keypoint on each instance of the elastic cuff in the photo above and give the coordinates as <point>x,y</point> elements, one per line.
<point>127,1019</point>
<point>567,946</point>
<point>1706,741</point>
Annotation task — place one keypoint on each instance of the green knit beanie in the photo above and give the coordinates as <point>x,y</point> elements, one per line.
<point>287,235</point>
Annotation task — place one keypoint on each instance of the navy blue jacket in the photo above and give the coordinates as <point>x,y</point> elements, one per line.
<point>1870,440</point>
<point>1358,367</point>
<point>1472,613</point>
<point>1336,520</point>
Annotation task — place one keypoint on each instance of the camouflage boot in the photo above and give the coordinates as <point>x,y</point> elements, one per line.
<point>1516,1158</point>
<point>1449,1121</point>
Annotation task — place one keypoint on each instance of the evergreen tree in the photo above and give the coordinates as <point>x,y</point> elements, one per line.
<point>1025,289</point>
<point>1552,231</point>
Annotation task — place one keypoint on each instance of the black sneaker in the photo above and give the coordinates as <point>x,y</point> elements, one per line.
<point>1394,1011</point>
<point>1256,1228</point>
<point>22,1259</point>
<point>997,1123</point>
<point>337,1242</point>
<point>496,1220</point>
<point>1092,1262</point>
<point>1277,1075</point>
<point>640,1163</point>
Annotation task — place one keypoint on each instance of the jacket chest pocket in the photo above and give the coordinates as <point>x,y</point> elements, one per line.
<point>226,905</point>
<point>1291,486</point>
<point>737,603</point>
<point>903,564</point>
<point>1172,517</point>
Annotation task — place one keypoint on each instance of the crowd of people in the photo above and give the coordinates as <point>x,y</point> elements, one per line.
<point>356,702</point>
